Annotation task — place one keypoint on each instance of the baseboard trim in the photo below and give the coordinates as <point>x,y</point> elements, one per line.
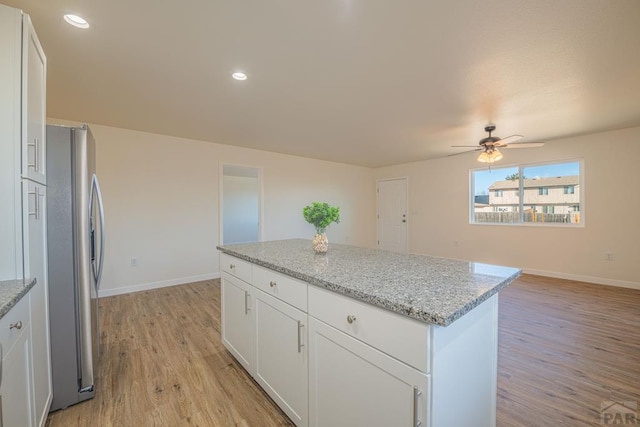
<point>156,285</point>
<point>189,279</point>
<point>580,278</point>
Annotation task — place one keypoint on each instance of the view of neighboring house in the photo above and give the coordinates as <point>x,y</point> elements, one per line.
<point>557,198</point>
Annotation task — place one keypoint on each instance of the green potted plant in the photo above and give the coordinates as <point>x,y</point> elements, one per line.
<point>321,215</point>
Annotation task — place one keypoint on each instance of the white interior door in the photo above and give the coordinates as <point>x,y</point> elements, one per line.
<point>392,214</point>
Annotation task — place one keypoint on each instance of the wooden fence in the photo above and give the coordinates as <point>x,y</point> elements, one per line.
<point>514,217</point>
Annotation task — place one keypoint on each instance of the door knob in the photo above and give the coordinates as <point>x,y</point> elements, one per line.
<point>17,325</point>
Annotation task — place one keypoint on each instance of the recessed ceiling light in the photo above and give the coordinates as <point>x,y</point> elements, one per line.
<point>239,76</point>
<point>76,21</point>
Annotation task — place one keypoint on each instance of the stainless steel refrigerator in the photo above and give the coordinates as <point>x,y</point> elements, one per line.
<point>75,232</point>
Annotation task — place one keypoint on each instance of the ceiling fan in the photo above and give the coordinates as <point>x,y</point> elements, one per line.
<point>489,145</point>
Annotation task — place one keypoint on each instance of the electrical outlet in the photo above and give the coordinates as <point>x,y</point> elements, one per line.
<point>134,262</point>
<point>608,256</point>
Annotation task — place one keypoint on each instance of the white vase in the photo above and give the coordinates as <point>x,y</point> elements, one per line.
<point>320,243</point>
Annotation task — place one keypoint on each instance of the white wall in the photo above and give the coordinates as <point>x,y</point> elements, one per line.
<point>161,196</point>
<point>161,203</point>
<point>439,212</point>
<point>240,209</point>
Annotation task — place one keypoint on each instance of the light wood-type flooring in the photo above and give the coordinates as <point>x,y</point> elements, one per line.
<point>564,348</point>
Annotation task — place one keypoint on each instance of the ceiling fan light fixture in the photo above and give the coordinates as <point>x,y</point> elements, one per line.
<point>490,157</point>
<point>76,21</point>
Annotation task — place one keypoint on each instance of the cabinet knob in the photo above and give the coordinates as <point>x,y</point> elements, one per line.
<point>351,318</point>
<point>17,325</point>
<point>272,284</point>
<point>232,266</point>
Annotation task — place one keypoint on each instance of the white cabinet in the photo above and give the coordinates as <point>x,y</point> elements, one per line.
<point>266,334</point>
<point>34,78</point>
<point>282,355</point>
<point>238,321</point>
<point>15,385</point>
<point>23,245</point>
<point>41,355</point>
<point>10,131</point>
<point>353,384</point>
<point>35,264</point>
<point>405,339</point>
<point>329,360</point>
<point>34,220</point>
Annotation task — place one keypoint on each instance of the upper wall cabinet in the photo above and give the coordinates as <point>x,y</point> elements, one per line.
<point>34,80</point>
<point>10,143</point>
<point>22,129</point>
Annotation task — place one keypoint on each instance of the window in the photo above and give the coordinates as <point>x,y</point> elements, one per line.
<point>493,182</point>
<point>543,194</point>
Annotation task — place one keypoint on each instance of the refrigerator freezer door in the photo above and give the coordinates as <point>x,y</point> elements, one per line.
<point>70,161</point>
<point>83,173</point>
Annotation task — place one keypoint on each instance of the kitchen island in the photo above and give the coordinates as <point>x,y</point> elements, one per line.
<point>363,336</point>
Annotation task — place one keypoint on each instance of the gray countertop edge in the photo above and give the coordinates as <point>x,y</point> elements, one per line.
<point>383,303</point>
<point>12,291</point>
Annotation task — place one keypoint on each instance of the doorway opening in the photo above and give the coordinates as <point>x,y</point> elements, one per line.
<point>240,204</point>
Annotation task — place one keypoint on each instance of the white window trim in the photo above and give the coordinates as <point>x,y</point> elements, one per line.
<point>521,223</point>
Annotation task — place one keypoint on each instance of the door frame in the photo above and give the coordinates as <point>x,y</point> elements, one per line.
<point>406,188</point>
<point>259,175</point>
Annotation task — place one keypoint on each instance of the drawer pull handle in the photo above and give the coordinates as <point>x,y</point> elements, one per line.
<point>232,266</point>
<point>300,344</point>
<point>272,284</point>
<point>351,318</point>
<point>17,325</point>
<point>416,397</point>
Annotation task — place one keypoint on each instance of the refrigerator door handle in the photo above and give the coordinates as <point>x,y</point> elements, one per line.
<point>95,189</point>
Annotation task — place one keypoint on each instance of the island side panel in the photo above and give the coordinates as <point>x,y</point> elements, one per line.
<point>464,366</point>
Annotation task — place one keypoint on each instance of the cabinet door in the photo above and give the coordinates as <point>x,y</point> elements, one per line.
<point>42,390</point>
<point>353,384</point>
<point>35,262</point>
<point>10,131</point>
<point>34,76</point>
<point>34,232</point>
<point>15,391</point>
<point>238,320</point>
<point>282,355</point>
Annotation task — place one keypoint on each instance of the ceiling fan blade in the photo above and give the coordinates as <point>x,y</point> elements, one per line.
<point>524,145</point>
<point>508,140</point>
<point>464,152</point>
<point>465,146</point>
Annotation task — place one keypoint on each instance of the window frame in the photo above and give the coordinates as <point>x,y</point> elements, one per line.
<point>521,222</point>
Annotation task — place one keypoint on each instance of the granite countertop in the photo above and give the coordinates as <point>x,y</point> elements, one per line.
<point>11,291</point>
<point>430,289</point>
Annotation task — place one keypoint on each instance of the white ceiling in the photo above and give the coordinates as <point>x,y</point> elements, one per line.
<point>367,82</point>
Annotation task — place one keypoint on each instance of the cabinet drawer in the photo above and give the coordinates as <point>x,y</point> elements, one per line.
<point>236,267</point>
<point>18,315</point>
<point>283,287</point>
<point>396,335</point>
